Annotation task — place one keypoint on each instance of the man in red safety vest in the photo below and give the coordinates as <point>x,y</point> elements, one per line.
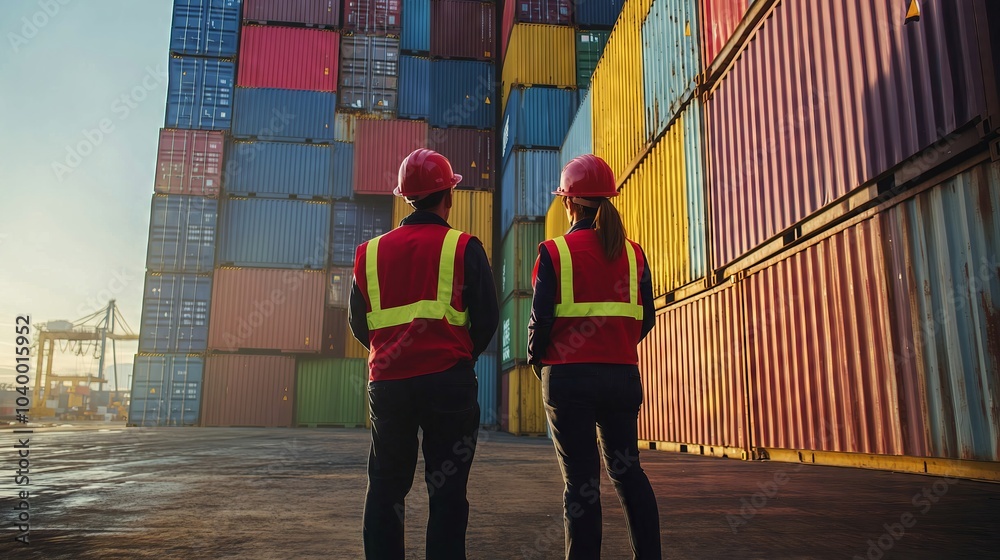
<point>424,303</point>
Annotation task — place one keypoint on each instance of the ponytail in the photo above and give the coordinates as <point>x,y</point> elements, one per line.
<point>610,229</point>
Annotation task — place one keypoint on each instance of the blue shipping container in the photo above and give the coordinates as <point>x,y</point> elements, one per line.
<point>166,390</point>
<point>537,117</point>
<point>175,313</point>
<point>280,169</point>
<point>284,114</point>
<point>200,94</point>
<point>357,222</point>
<point>486,372</point>
<point>206,27</point>
<point>274,233</point>
<point>182,234</point>
<point>598,13</point>
<point>416,26</point>
<point>343,170</point>
<point>580,138</point>
<point>670,60</point>
<point>414,87</point>
<point>461,93</point>
<point>529,178</point>
<point>695,169</point>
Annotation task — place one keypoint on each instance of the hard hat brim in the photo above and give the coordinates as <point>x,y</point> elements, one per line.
<point>456,179</point>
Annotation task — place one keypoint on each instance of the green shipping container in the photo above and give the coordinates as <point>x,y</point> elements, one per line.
<point>514,316</point>
<point>589,46</point>
<point>520,249</point>
<point>332,393</point>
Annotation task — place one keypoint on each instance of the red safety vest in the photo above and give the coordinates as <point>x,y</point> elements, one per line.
<point>598,314</point>
<point>411,279</point>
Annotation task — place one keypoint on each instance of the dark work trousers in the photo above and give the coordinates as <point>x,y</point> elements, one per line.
<point>446,406</point>
<point>578,399</point>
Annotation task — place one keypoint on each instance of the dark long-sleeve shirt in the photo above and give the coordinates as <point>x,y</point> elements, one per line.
<point>544,303</point>
<point>478,292</point>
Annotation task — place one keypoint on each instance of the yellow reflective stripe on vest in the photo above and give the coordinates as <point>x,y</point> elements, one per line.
<point>437,309</point>
<point>569,307</point>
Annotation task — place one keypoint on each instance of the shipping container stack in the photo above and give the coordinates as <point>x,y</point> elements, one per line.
<point>167,382</point>
<point>550,49</point>
<point>821,233</point>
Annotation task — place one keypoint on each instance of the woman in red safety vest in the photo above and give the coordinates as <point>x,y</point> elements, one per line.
<point>593,304</point>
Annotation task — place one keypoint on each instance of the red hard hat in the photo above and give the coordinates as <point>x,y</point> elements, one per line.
<point>587,176</point>
<point>425,172</point>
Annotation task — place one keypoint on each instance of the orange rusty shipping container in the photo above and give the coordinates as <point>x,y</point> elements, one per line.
<point>380,146</point>
<point>249,391</point>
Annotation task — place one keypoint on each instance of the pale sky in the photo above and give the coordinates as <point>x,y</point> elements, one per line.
<point>73,237</point>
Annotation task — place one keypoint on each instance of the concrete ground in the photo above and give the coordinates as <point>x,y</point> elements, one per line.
<point>111,492</point>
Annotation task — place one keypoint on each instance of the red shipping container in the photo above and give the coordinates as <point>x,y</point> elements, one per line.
<point>310,12</point>
<point>289,58</point>
<point>552,12</point>
<point>470,153</point>
<point>462,29</point>
<point>267,309</point>
<point>719,19</point>
<point>374,17</point>
<point>249,391</point>
<point>379,148</point>
<point>334,333</point>
<point>189,162</point>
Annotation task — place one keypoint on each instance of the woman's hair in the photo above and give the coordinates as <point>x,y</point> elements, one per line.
<point>609,227</point>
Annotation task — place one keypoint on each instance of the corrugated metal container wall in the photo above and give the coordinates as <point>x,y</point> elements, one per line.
<point>617,88</point>
<point>189,162</point>
<point>460,94</point>
<point>719,19</point>
<point>332,392</point>
<point>166,390</point>
<point>514,315</point>
<point>322,13</point>
<point>274,233</point>
<point>338,292</point>
<point>462,29</point>
<point>282,114</point>
<point>380,146</point>
<point>206,28</point>
<point>783,152</point>
<point>376,17</point>
<point>520,249</point>
<point>182,234</point>
<point>670,61</point>
<point>944,291</point>
<point>537,117</point>
<point>353,348</point>
<point>344,125</point>
<point>526,411</point>
<point>486,374</point>
<point>554,12</point>
<point>556,222</point>
<point>369,70</point>
<point>267,309</point>
<point>334,332</point>
<point>175,311</point>
<point>580,137</point>
<point>692,367</point>
<point>280,169</point>
<point>288,58</point>
<point>670,179</point>
<point>343,170</point>
<point>249,391</point>
<point>416,26</point>
<point>529,178</point>
<point>357,222</point>
<point>819,348</point>
<point>414,87</point>
<point>471,212</point>
<point>589,48</point>
<point>523,65</point>
<point>200,94</point>
<point>596,13</point>
<point>470,153</point>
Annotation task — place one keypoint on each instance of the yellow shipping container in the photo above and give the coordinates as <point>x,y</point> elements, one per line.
<point>525,411</point>
<point>619,109</point>
<point>654,208</point>
<point>556,222</point>
<point>543,55</point>
<point>353,348</point>
<point>471,212</point>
